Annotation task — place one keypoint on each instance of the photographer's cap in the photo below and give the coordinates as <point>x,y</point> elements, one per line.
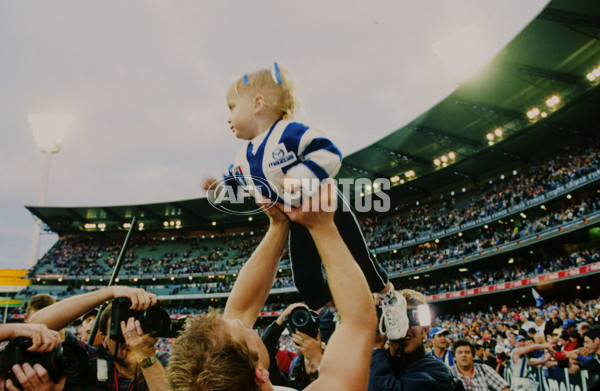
<point>438,330</point>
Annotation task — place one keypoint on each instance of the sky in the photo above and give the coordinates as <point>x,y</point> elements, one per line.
<point>145,81</point>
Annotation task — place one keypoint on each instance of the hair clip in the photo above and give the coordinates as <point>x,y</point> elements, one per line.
<point>246,80</point>
<point>275,73</point>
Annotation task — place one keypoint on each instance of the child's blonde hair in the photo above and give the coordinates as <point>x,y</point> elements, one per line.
<point>275,84</point>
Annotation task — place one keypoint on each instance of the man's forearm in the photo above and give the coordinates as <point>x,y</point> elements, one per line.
<point>155,377</point>
<point>64,312</point>
<point>256,277</point>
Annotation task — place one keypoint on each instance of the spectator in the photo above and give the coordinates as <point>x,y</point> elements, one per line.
<point>440,351</point>
<point>520,364</point>
<point>473,376</point>
<point>592,347</point>
<point>552,324</point>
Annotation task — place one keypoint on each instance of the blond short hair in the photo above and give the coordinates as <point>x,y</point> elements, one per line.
<point>206,357</point>
<point>280,97</point>
<point>413,297</point>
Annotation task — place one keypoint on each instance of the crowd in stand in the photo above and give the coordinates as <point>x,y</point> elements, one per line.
<point>506,193</point>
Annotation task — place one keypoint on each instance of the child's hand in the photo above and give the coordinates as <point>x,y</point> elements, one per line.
<point>289,184</point>
<point>209,183</point>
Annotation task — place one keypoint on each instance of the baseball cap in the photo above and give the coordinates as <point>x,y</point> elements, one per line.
<point>521,338</point>
<point>437,330</point>
<point>568,323</point>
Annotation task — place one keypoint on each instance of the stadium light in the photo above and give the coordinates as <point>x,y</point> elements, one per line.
<point>49,131</point>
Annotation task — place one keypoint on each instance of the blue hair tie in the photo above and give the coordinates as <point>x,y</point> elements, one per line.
<point>246,80</point>
<point>275,73</point>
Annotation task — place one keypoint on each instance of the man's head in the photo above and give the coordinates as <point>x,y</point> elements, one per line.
<point>437,335</point>
<point>582,328</point>
<point>218,354</point>
<point>591,340</point>
<point>569,325</point>
<point>521,341</point>
<point>416,334</point>
<point>464,354</point>
<point>539,320</point>
<point>478,350</point>
<point>87,323</point>
<point>38,302</point>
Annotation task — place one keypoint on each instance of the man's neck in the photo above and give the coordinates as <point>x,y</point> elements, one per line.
<point>124,370</point>
<point>439,351</point>
<point>466,371</point>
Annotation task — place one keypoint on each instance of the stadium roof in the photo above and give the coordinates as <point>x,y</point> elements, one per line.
<point>552,56</point>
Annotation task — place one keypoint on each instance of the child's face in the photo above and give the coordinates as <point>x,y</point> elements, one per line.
<point>242,119</point>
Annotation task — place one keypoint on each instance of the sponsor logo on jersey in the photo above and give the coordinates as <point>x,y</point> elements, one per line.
<point>280,157</point>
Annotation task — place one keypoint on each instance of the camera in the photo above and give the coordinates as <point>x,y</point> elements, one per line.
<point>154,321</point>
<point>68,360</point>
<point>303,320</point>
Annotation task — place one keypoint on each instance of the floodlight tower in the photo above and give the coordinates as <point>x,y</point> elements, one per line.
<point>49,130</point>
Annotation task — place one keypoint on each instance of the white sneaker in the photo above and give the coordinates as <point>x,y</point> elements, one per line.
<point>394,319</point>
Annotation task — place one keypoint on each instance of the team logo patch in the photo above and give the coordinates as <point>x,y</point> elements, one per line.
<point>280,157</point>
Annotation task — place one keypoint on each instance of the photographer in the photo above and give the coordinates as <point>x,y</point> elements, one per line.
<point>131,363</point>
<point>305,365</point>
<point>30,377</point>
<point>404,366</point>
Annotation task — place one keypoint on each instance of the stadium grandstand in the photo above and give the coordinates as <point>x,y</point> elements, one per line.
<point>495,190</point>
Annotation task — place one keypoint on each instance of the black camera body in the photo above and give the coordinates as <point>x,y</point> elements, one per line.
<point>303,320</point>
<point>154,321</point>
<point>68,360</point>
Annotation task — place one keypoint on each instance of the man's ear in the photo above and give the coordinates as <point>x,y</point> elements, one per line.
<point>261,375</point>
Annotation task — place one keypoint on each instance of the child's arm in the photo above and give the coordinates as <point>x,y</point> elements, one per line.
<point>318,157</point>
<point>212,185</point>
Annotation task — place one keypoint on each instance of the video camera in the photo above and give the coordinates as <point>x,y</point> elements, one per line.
<point>303,320</point>
<point>154,321</point>
<point>68,360</point>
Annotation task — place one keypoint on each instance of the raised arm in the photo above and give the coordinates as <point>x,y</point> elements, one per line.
<point>345,364</point>
<point>256,277</point>
<point>64,312</point>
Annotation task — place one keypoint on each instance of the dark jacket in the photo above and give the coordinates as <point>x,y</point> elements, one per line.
<point>424,374</point>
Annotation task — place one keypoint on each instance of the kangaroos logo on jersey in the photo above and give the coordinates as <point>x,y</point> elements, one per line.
<point>280,157</point>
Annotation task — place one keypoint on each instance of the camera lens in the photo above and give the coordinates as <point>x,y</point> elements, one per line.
<point>300,318</point>
<point>155,321</point>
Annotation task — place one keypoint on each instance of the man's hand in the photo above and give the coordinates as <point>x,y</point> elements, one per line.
<point>281,318</point>
<point>315,211</point>
<point>140,345</point>
<point>310,348</point>
<point>34,378</point>
<point>276,216</point>
<point>140,299</point>
<point>42,338</point>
